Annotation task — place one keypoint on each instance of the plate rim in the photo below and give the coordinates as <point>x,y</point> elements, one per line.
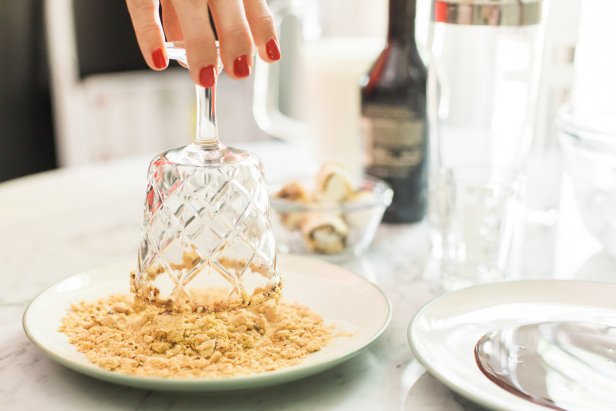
<point>221,384</point>
<point>481,400</point>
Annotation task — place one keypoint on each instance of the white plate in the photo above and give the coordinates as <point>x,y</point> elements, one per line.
<point>444,332</point>
<point>338,295</point>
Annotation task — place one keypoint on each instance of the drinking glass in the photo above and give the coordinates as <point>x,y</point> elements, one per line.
<point>474,214</point>
<point>207,242</point>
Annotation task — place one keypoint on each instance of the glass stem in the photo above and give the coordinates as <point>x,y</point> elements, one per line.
<point>207,133</point>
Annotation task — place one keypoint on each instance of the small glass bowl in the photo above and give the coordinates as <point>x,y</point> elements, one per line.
<point>333,230</point>
<point>590,159</point>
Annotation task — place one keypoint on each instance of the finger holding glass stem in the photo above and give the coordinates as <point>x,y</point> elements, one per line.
<point>241,27</point>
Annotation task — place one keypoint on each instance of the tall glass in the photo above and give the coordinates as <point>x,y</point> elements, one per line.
<point>482,87</point>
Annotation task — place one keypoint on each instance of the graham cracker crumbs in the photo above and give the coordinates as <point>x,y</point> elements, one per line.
<point>120,333</point>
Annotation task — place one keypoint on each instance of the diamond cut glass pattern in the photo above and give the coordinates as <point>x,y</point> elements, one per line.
<point>206,227</point>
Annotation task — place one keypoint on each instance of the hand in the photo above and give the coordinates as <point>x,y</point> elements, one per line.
<point>240,25</point>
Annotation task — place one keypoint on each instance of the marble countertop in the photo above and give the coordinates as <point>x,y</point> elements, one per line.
<point>57,223</point>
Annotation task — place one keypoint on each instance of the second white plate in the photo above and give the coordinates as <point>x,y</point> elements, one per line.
<point>341,297</point>
<point>444,332</point>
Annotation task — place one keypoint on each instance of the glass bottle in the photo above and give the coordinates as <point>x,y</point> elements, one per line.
<point>393,108</point>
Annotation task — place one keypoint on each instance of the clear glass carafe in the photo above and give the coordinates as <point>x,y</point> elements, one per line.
<point>207,242</point>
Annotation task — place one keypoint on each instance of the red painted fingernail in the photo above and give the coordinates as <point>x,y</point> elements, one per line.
<point>272,49</point>
<point>240,66</point>
<point>207,76</point>
<point>158,57</point>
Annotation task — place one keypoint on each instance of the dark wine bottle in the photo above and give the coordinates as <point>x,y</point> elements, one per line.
<point>394,124</point>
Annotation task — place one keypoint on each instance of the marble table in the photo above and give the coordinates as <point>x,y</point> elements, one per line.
<point>60,222</point>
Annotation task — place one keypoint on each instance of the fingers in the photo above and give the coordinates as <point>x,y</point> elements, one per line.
<point>144,15</point>
<point>234,36</point>
<point>263,31</point>
<point>171,24</point>
<point>238,23</point>
<point>199,39</point>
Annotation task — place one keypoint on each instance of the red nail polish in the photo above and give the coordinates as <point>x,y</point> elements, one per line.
<point>207,76</point>
<point>272,49</point>
<point>240,66</point>
<point>158,57</point>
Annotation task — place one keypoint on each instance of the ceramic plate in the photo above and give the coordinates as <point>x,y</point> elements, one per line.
<point>444,332</point>
<point>341,297</point>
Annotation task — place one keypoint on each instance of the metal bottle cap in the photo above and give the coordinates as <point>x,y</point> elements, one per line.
<point>487,12</point>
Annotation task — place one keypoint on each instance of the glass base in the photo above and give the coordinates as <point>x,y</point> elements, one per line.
<point>197,155</point>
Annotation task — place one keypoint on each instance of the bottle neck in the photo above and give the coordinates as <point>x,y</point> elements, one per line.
<point>402,21</point>
<point>206,134</point>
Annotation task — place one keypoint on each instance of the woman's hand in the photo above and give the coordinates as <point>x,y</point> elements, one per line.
<point>240,24</point>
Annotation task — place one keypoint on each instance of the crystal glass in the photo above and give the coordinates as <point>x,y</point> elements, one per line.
<point>207,242</point>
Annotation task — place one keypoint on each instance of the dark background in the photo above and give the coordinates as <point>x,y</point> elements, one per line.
<point>105,43</point>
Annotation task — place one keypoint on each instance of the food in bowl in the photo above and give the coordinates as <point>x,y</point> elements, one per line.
<point>330,214</point>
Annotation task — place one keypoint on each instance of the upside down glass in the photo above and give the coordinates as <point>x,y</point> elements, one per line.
<point>207,242</point>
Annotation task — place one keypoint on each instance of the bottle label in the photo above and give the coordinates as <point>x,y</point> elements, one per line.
<point>394,140</point>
